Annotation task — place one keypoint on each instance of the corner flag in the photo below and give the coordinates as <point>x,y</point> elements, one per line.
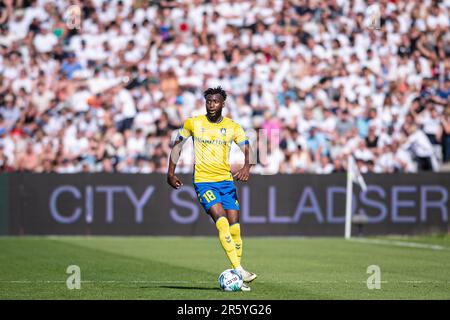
<point>353,175</point>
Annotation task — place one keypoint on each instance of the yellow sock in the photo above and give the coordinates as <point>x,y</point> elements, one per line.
<point>226,240</point>
<point>235,231</point>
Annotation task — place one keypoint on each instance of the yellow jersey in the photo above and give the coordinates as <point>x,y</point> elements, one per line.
<point>212,144</point>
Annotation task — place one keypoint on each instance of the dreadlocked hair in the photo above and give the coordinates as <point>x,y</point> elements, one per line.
<point>217,90</point>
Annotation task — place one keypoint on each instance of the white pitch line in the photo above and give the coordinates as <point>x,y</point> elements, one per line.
<point>401,244</point>
<point>204,282</point>
<point>100,281</point>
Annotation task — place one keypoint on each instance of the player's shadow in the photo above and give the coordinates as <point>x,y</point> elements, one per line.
<point>181,287</point>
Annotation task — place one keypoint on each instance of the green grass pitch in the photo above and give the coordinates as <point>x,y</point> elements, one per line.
<point>188,267</point>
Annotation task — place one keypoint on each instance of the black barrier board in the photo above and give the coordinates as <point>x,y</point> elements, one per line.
<point>277,205</point>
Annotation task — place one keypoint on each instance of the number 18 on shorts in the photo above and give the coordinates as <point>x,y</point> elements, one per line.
<point>210,193</point>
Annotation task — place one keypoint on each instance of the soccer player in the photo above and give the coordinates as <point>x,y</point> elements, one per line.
<point>213,135</point>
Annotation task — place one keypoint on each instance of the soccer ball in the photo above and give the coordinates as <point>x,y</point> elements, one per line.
<point>230,280</point>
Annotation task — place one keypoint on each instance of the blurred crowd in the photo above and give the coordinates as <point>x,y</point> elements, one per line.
<point>103,86</point>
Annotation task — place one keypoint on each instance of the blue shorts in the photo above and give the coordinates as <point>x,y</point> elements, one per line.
<point>210,193</point>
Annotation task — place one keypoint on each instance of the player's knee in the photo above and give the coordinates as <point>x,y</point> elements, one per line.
<point>217,211</point>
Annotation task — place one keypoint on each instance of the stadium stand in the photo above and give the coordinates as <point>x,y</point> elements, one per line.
<point>104,91</point>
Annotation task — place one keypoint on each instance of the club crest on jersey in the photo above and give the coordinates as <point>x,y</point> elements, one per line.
<point>223,131</point>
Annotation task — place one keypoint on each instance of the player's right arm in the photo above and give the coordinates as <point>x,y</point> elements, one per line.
<point>174,156</point>
<point>175,153</point>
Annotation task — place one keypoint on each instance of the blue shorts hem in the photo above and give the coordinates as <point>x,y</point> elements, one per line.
<point>224,192</point>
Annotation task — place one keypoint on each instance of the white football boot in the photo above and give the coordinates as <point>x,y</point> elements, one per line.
<point>245,287</point>
<point>246,275</point>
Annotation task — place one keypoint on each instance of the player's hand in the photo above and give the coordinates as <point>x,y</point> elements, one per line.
<point>174,182</point>
<point>242,174</point>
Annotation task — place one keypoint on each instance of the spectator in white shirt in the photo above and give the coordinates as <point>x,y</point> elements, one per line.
<point>45,40</point>
<point>136,144</point>
<point>421,148</point>
<point>324,166</point>
<point>124,103</point>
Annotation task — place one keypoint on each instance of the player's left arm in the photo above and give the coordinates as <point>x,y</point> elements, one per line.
<point>242,141</point>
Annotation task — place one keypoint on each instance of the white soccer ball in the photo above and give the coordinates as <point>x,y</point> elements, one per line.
<point>230,280</point>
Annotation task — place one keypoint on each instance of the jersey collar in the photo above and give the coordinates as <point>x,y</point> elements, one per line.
<point>221,120</point>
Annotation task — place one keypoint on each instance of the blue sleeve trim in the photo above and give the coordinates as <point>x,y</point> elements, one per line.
<point>243,143</point>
